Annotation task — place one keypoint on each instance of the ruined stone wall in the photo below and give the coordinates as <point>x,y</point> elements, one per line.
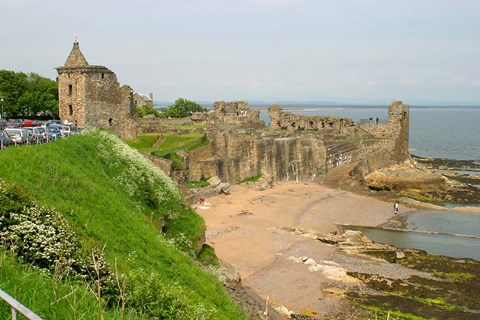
<point>152,124</point>
<point>164,164</point>
<point>395,132</point>
<point>287,156</point>
<point>92,96</point>
<point>398,121</point>
<point>291,158</point>
<point>104,101</point>
<point>280,119</point>
<point>235,113</point>
<point>202,164</point>
<point>340,153</point>
<point>233,157</point>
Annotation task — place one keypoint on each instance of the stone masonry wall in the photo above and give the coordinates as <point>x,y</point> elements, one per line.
<point>295,157</point>
<point>202,163</point>
<point>91,96</point>
<point>152,124</point>
<point>234,113</point>
<point>71,105</point>
<point>395,132</point>
<point>286,120</point>
<point>234,157</point>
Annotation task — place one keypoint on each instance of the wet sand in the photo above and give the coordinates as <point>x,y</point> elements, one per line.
<point>249,230</point>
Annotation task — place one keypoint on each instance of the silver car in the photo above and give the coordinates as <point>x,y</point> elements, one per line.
<point>38,134</point>
<point>19,135</point>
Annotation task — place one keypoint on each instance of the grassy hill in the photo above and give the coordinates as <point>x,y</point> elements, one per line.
<point>125,211</point>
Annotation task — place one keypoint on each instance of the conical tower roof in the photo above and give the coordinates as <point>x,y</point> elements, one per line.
<point>76,58</point>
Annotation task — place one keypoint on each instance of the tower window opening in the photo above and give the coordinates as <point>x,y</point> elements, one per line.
<point>103,75</point>
<point>70,110</point>
<point>70,89</point>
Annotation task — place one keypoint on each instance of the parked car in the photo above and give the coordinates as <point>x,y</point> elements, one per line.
<point>12,124</point>
<point>27,123</point>
<point>3,124</point>
<point>38,123</point>
<point>53,131</point>
<point>50,122</point>
<point>5,140</point>
<point>67,130</point>
<point>39,134</point>
<point>16,122</point>
<point>18,135</point>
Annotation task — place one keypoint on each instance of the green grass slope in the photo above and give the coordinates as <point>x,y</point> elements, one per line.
<point>172,144</point>
<point>115,199</point>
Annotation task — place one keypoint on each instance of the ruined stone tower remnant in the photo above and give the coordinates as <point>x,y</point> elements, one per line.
<point>280,119</point>
<point>398,125</point>
<point>91,96</point>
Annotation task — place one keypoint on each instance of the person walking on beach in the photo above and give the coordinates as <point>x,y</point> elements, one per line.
<point>395,207</point>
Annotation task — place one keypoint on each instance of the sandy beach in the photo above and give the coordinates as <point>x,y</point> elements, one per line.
<point>252,230</point>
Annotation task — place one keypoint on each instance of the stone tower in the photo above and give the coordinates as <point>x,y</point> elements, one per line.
<point>90,96</point>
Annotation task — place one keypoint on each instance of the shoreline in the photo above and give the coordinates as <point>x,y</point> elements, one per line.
<point>252,231</point>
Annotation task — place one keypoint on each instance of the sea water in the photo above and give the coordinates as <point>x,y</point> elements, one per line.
<point>437,132</point>
<point>445,132</point>
<point>443,244</point>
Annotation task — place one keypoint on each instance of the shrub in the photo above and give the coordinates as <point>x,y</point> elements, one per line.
<point>158,299</point>
<point>43,238</point>
<point>137,176</point>
<point>146,110</point>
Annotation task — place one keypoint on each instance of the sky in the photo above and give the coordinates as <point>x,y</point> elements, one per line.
<point>343,51</point>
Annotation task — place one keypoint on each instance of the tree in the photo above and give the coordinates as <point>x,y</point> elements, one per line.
<point>12,87</point>
<point>182,108</point>
<point>27,94</point>
<point>41,95</point>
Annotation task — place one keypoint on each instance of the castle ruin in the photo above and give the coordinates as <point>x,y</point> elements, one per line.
<point>91,96</point>
<point>235,113</point>
<point>288,155</point>
<point>295,148</point>
<point>286,120</point>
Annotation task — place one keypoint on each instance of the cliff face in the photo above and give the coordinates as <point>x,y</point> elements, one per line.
<point>289,156</point>
<point>233,157</point>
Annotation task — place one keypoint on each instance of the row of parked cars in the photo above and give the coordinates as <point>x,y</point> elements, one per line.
<point>16,133</point>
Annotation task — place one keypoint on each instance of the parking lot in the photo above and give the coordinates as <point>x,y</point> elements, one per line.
<point>18,132</point>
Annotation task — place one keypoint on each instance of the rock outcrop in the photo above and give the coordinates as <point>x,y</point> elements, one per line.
<point>404,176</point>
